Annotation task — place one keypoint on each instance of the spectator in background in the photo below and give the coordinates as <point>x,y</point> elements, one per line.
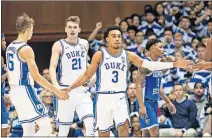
<point>47,98</point>
<point>94,43</point>
<point>117,21</point>
<point>136,20</point>
<point>136,129</point>
<point>150,23</point>
<point>161,20</point>
<point>133,76</point>
<point>139,40</point>
<point>124,26</point>
<point>131,41</point>
<point>159,9</point>
<point>184,122</point>
<point>200,49</point>
<point>46,74</point>
<point>131,97</point>
<point>168,43</point>
<point>199,98</point>
<point>129,20</point>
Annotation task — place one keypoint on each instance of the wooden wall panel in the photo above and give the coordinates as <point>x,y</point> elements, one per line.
<point>50,16</point>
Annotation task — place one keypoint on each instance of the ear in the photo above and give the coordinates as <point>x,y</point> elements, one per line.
<point>107,39</point>
<point>79,30</point>
<point>65,29</point>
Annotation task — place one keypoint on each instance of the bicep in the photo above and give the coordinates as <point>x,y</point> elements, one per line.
<point>56,52</point>
<point>135,59</point>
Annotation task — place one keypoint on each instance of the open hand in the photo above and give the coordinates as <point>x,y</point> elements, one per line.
<point>142,111</point>
<point>171,108</point>
<point>183,63</point>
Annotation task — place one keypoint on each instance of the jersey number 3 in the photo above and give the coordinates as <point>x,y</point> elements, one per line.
<point>115,77</point>
<point>76,64</point>
<point>10,62</point>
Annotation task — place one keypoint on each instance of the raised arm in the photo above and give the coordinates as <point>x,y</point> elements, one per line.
<point>95,31</point>
<point>89,73</point>
<point>27,54</point>
<point>154,65</point>
<point>56,52</point>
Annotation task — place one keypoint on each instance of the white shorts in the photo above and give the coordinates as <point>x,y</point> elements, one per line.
<point>27,103</point>
<point>109,108</point>
<point>78,101</point>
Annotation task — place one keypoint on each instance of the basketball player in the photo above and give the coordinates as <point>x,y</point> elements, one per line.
<point>70,56</point>
<point>4,115</point>
<point>148,104</point>
<point>112,63</point>
<point>22,72</point>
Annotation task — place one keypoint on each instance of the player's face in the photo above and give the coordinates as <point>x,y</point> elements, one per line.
<point>178,91</point>
<point>72,29</point>
<point>114,39</point>
<point>159,49</point>
<point>200,52</point>
<point>199,90</point>
<point>136,124</point>
<point>3,43</point>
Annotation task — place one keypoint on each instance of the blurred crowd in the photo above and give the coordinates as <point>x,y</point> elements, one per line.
<point>184,28</point>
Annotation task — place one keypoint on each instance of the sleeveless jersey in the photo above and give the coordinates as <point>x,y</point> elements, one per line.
<point>152,84</point>
<point>17,68</point>
<point>72,62</point>
<point>112,72</point>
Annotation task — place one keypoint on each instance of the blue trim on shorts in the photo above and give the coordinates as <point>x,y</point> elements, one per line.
<point>33,119</point>
<point>111,92</point>
<point>86,116</point>
<point>120,124</point>
<point>106,130</point>
<point>66,123</point>
<point>55,106</point>
<point>38,105</point>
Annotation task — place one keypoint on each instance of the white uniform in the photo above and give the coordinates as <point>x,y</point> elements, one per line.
<point>111,99</point>
<point>22,93</point>
<point>72,64</point>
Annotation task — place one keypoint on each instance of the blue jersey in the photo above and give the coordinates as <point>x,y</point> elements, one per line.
<point>3,71</point>
<point>152,84</point>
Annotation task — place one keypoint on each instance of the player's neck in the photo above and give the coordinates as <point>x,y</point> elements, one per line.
<point>72,40</point>
<point>114,51</point>
<point>21,38</point>
<point>153,57</point>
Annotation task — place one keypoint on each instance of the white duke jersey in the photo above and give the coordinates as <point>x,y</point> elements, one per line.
<point>72,62</point>
<point>17,68</point>
<point>112,72</point>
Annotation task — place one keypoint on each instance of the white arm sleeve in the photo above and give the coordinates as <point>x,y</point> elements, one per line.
<point>157,65</point>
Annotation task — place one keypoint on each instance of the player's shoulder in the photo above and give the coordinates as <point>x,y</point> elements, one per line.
<point>82,41</point>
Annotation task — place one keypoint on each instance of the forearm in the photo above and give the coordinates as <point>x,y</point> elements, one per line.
<point>80,81</point>
<point>207,128</point>
<point>164,97</point>
<point>45,84</point>
<point>53,76</point>
<point>3,77</point>
<point>139,95</point>
<point>93,34</point>
<point>200,19</point>
<point>157,65</point>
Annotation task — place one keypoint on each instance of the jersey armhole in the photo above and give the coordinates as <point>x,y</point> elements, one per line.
<point>19,58</point>
<point>62,46</point>
<point>102,60</point>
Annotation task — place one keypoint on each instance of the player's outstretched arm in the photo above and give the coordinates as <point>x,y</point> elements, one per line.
<point>139,94</point>
<point>152,65</point>
<point>203,65</point>
<point>56,52</point>
<point>27,54</point>
<point>89,73</point>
